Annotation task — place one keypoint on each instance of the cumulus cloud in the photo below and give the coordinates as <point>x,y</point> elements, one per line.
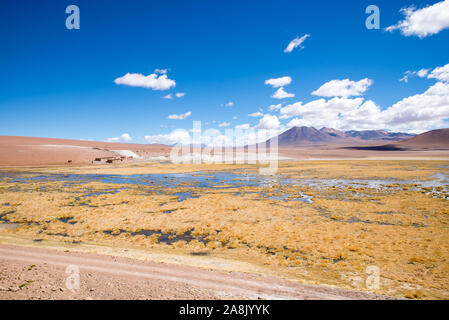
<point>213,137</point>
<point>423,22</point>
<point>320,110</point>
<point>152,81</point>
<point>256,114</point>
<point>440,73</point>
<point>343,88</point>
<point>224,124</point>
<point>421,111</point>
<point>161,71</point>
<point>123,138</point>
<point>179,116</point>
<point>244,126</point>
<point>168,96</point>
<point>420,73</point>
<point>179,94</point>
<point>339,113</point>
<point>228,104</point>
<point>275,107</point>
<point>279,82</point>
<point>268,122</point>
<point>176,136</point>
<point>282,94</point>
<point>416,113</point>
<point>297,42</point>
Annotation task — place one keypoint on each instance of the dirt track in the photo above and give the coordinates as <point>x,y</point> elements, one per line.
<point>34,273</point>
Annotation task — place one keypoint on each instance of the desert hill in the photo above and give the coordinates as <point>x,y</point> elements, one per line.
<point>20,151</point>
<point>434,139</point>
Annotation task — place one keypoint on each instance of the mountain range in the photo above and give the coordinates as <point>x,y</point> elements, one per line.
<point>302,136</point>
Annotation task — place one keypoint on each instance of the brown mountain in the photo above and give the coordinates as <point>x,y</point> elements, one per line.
<point>303,136</point>
<point>434,139</point>
<point>333,132</point>
<point>379,135</point>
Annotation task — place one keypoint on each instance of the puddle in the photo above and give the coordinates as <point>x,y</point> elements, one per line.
<point>65,235</point>
<point>169,211</point>
<point>357,220</point>
<point>287,197</point>
<point>5,223</point>
<point>381,223</point>
<point>68,220</point>
<point>167,238</point>
<point>185,195</point>
<point>3,216</point>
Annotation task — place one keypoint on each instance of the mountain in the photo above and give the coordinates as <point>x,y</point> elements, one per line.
<point>333,132</point>
<point>378,135</point>
<point>304,135</point>
<point>299,136</point>
<point>434,139</point>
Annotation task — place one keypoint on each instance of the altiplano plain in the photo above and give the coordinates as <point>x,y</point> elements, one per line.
<point>224,150</point>
<point>314,222</point>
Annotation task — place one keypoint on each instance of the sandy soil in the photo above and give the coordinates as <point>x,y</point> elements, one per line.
<point>36,273</point>
<point>336,152</point>
<point>22,151</point>
<point>29,151</point>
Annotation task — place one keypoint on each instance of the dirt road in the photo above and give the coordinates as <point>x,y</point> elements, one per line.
<point>35,273</point>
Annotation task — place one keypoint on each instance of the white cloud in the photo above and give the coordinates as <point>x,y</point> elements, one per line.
<point>420,73</point>
<point>152,81</point>
<point>168,96</point>
<point>235,117</point>
<point>228,104</point>
<point>161,71</point>
<point>244,126</point>
<point>339,113</point>
<point>320,109</point>
<point>423,22</point>
<point>282,94</point>
<point>343,88</point>
<point>296,43</point>
<point>176,136</point>
<point>296,123</point>
<point>179,94</point>
<point>421,111</point>
<point>123,138</point>
<point>417,113</point>
<point>224,124</point>
<point>275,107</point>
<point>179,116</point>
<point>268,122</point>
<point>440,73</point>
<point>245,135</point>
<point>279,82</point>
<point>256,114</point>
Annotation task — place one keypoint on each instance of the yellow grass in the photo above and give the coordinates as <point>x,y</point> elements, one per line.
<point>331,241</point>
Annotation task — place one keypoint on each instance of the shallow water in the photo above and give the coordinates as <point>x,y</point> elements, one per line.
<point>438,185</point>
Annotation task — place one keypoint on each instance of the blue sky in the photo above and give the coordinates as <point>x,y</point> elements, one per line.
<point>60,83</point>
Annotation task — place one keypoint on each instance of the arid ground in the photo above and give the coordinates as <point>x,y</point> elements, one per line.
<point>319,223</point>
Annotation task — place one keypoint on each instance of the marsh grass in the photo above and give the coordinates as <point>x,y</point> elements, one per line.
<point>401,226</point>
